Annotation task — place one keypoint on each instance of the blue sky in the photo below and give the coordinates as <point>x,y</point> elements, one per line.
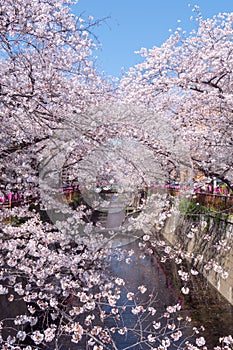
<point>134,24</point>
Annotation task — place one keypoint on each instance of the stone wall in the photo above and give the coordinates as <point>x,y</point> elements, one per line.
<point>210,235</point>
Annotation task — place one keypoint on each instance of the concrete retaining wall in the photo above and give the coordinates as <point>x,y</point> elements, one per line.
<point>212,234</point>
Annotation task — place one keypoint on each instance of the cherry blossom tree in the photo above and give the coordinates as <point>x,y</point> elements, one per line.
<point>61,124</point>
<point>45,52</point>
<point>189,78</point>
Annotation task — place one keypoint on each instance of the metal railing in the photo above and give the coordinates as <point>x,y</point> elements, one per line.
<point>212,201</point>
<point>215,201</point>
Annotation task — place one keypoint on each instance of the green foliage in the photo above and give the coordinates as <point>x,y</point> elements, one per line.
<point>190,208</point>
<point>15,220</point>
<point>217,218</point>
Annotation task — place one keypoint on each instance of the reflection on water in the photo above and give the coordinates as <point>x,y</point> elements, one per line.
<point>139,268</point>
<point>204,305</point>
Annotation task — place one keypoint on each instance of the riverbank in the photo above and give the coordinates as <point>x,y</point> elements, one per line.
<point>209,235</point>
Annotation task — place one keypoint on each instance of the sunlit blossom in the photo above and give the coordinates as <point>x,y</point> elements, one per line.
<point>177,335</point>
<point>142,289</point>
<point>49,333</point>
<point>122,331</point>
<point>156,325</point>
<point>98,347</point>
<point>185,290</point>
<point>130,296</point>
<point>119,281</point>
<point>151,339</point>
<point>137,309</point>
<point>21,335</point>
<point>152,310</point>
<point>200,341</point>
<point>37,337</point>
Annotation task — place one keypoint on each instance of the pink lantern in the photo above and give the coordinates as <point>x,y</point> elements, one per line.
<point>10,195</point>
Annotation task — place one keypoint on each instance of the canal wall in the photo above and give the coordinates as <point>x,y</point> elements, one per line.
<point>211,236</point>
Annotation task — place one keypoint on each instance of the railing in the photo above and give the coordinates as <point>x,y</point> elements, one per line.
<point>66,194</point>
<point>16,200</point>
<point>214,201</point>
